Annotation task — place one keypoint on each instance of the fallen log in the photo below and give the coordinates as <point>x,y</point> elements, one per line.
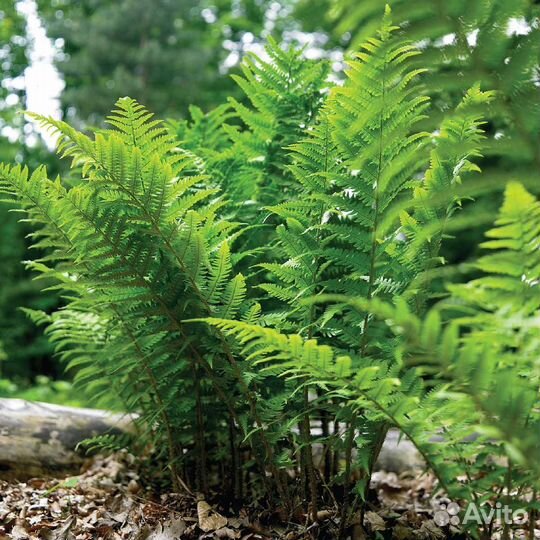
<point>40,439</point>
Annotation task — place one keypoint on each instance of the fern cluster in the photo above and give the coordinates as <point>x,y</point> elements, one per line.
<point>267,279</point>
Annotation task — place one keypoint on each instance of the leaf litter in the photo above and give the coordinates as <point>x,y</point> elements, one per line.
<point>107,501</point>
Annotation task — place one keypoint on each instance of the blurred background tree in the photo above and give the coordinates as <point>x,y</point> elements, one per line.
<point>161,52</point>
<point>167,54</point>
<point>14,61</point>
<point>23,348</point>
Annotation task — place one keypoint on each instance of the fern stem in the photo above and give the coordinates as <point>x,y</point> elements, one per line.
<point>199,436</point>
<point>335,455</point>
<point>347,476</point>
<point>176,479</point>
<point>508,498</point>
<point>327,453</point>
<point>210,372</point>
<point>532,516</point>
<point>377,447</point>
<point>371,282</point>
<point>309,479</point>
<point>235,473</point>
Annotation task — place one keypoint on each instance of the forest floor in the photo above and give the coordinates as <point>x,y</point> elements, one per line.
<point>107,501</point>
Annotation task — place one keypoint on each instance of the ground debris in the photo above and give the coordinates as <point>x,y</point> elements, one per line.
<point>108,501</point>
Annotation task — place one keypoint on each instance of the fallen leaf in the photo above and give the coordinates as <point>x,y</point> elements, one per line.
<point>170,530</point>
<point>209,520</point>
<point>375,522</point>
<point>430,531</point>
<point>323,515</point>
<point>385,479</point>
<point>399,532</point>
<point>64,532</point>
<point>226,532</point>
<point>19,533</point>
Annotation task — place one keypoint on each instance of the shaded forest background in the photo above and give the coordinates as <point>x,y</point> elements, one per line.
<point>170,54</point>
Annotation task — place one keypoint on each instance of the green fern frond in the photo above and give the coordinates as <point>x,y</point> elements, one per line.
<point>513,269</point>
<point>435,200</point>
<point>285,93</point>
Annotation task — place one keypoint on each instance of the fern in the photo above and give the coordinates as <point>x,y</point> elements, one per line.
<point>231,338</point>
<point>333,237</point>
<point>437,198</point>
<point>285,93</point>
<point>513,270</point>
<point>131,227</point>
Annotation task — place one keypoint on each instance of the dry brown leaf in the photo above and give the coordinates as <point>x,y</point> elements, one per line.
<point>430,531</point>
<point>55,509</point>
<point>238,522</point>
<point>227,532</point>
<point>19,533</point>
<point>64,532</point>
<point>385,479</point>
<point>323,515</point>
<point>399,532</point>
<point>170,530</point>
<point>209,520</point>
<point>375,522</point>
<point>394,498</point>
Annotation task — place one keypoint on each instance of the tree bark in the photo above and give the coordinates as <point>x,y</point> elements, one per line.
<point>39,439</point>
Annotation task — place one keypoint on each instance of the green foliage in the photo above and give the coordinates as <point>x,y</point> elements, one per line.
<point>46,390</point>
<point>232,346</point>
<point>494,43</point>
<point>285,94</point>
<point>362,159</point>
<point>513,269</point>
